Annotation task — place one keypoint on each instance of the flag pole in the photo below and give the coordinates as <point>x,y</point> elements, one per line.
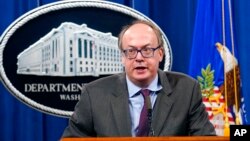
<point>226,125</point>
<point>237,120</point>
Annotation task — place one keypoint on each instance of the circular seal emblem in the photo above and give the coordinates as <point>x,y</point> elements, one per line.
<point>49,53</point>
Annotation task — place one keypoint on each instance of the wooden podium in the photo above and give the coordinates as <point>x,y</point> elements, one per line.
<point>186,138</point>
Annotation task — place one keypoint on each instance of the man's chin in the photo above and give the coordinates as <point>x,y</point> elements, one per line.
<point>141,78</point>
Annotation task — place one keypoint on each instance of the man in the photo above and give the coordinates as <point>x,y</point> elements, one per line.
<point>112,106</point>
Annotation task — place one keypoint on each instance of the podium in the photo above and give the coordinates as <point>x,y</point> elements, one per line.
<point>174,138</point>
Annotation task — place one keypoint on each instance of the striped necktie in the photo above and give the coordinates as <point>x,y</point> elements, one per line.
<point>143,128</point>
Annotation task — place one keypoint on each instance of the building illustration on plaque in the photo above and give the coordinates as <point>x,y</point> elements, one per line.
<point>71,50</point>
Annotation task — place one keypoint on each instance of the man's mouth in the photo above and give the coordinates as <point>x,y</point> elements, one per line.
<point>140,68</point>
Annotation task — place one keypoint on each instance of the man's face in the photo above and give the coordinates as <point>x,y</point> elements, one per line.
<point>140,70</point>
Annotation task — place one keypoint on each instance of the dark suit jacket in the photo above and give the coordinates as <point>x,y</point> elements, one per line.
<point>103,109</point>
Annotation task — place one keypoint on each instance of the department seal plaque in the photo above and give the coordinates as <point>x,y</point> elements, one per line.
<point>49,53</point>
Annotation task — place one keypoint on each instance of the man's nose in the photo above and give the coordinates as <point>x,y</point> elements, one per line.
<point>139,56</point>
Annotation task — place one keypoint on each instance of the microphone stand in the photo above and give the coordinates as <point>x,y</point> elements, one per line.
<point>149,108</point>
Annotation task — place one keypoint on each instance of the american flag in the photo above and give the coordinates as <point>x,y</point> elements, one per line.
<point>217,111</point>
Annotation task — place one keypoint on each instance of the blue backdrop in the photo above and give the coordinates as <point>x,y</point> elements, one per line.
<point>176,19</point>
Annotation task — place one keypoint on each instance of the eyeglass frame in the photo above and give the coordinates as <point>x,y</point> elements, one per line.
<point>125,52</point>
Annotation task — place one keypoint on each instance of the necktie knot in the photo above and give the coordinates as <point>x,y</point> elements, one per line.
<point>145,92</point>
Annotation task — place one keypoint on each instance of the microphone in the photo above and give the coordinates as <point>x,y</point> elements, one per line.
<point>149,108</point>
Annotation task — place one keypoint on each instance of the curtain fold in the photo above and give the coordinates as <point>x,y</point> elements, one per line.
<point>242,26</point>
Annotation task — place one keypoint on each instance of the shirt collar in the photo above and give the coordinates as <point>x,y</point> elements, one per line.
<point>133,89</point>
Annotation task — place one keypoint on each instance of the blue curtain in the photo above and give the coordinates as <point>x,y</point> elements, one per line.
<point>176,19</point>
<point>209,31</point>
<point>242,25</point>
<point>18,121</point>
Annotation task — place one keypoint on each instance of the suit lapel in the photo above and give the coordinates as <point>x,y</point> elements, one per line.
<point>163,104</point>
<point>120,107</point>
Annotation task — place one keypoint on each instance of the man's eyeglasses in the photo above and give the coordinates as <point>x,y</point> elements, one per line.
<point>145,52</point>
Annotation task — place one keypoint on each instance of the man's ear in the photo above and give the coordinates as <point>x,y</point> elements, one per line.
<point>161,54</point>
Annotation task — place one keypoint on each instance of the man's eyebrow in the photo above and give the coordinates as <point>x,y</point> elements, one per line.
<point>144,46</point>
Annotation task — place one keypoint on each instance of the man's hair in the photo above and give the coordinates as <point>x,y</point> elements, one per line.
<point>150,24</point>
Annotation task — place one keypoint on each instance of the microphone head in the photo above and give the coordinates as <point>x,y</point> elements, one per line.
<point>148,102</point>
